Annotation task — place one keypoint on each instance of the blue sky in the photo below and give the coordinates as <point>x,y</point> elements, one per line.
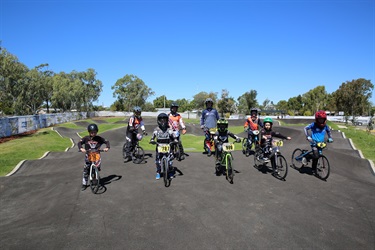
<point>179,48</point>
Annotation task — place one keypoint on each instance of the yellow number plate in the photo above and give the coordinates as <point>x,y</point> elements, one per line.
<point>277,143</point>
<point>163,148</point>
<point>213,130</point>
<point>321,144</point>
<point>228,147</point>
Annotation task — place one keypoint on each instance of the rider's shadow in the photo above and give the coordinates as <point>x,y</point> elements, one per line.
<point>264,169</point>
<point>305,170</point>
<point>106,181</point>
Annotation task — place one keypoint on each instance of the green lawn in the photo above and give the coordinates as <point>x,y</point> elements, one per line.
<point>34,146</point>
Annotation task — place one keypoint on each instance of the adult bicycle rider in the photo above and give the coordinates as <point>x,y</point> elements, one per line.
<point>209,118</point>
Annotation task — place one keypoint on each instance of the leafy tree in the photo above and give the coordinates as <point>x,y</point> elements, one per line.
<point>295,105</point>
<point>247,101</point>
<point>226,104</point>
<point>132,91</point>
<point>282,105</point>
<point>149,107</point>
<point>354,97</point>
<point>184,105</point>
<point>200,98</point>
<point>315,99</point>
<point>162,102</point>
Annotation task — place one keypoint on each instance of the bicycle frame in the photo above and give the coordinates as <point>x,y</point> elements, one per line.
<point>319,145</point>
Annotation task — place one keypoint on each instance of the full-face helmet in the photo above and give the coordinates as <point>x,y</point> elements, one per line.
<point>253,112</point>
<point>137,111</point>
<point>174,105</point>
<point>321,118</point>
<point>207,101</point>
<point>222,125</point>
<point>162,121</point>
<point>93,128</point>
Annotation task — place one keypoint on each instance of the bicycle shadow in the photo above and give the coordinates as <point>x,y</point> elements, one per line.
<point>304,170</point>
<point>106,181</point>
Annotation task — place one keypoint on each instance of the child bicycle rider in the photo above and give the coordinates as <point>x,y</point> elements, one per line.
<point>132,134</point>
<point>252,123</point>
<point>222,136</point>
<point>163,134</point>
<point>318,129</point>
<point>267,134</point>
<point>91,142</point>
<point>208,120</point>
<point>175,121</point>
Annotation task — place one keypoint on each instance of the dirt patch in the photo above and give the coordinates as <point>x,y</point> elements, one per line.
<point>14,137</point>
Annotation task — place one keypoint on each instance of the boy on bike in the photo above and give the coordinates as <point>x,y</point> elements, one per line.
<point>222,136</point>
<point>266,135</point>
<point>163,134</point>
<point>87,143</point>
<point>175,122</point>
<point>132,134</point>
<point>318,129</point>
<point>208,120</point>
<point>252,123</point>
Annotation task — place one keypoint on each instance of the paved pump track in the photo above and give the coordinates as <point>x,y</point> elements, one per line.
<point>43,207</point>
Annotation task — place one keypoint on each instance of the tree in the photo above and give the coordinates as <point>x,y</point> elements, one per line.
<point>315,99</point>
<point>132,91</point>
<point>200,98</point>
<point>354,97</point>
<point>282,105</point>
<point>247,101</point>
<point>295,105</point>
<point>226,104</point>
<point>161,102</point>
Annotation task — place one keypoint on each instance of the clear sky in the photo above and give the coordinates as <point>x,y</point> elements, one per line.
<point>179,48</point>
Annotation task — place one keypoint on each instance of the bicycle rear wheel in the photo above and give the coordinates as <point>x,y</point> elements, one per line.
<point>177,152</point>
<point>138,154</point>
<point>297,159</point>
<point>257,157</point>
<point>280,168</point>
<point>94,180</point>
<point>323,168</point>
<point>229,169</point>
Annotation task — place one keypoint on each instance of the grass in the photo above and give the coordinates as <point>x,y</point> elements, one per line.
<point>34,146</point>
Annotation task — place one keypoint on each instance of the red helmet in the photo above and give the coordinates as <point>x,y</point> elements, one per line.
<point>321,118</point>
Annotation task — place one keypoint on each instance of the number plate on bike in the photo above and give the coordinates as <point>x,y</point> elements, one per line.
<point>213,130</point>
<point>277,143</point>
<point>321,144</point>
<point>163,148</point>
<point>93,156</point>
<point>228,147</point>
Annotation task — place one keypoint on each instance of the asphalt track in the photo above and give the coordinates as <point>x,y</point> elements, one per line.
<point>43,207</point>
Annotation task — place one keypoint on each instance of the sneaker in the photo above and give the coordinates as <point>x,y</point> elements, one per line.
<point>157,176</point>
<point>304,161</point>
<point>127,158</point>
<point>209,153</point>
<point>83,188</point>
<point>182,157</point>
<point>265,159</point>
<point>171,175</point>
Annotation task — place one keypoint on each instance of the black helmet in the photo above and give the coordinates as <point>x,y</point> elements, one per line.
<point>137,111</point>
<point>253,110</point>
<point>92,128</point>
<point>163,121</point>
<point>174,104</point>
<point>222,125</point>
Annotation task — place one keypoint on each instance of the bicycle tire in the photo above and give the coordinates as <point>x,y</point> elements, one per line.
<point>177,152</point>
<point>244,145</point>
<point>164,166</point>
<point>95,180</point>
<point>138,154</point>
<point>323,168</point>
<point>124,150</point>
<point>296,162</point>
<point>229,168</point>
<point>257,155</point>
<point>280,167</point>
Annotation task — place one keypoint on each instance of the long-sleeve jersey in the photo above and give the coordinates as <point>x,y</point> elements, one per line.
<point>223,137</point>
<point>209,118</point>
<point>162,136</point>
<point>270,134</point>
<point>317,133</point>
<point>135,123</point>
<point>92,143</point>
<point>253,125</point>
<point>175,121</point>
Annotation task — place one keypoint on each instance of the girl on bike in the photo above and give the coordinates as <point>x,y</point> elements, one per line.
<point>266,135</point>
<point>132,133</point>
<point>175,122</point>
<point>91,142</point>
<point>252,123</point>
<point>221,136</point>
<point>163,134</point>
<point>318,130</point>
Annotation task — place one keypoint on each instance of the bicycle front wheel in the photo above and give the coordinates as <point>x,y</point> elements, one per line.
<point>164,166</point>
<point>280,167</point>
<point>257,157</point>
<point>229,168</point>
<point>323,168</point>
<point>94,180</point>
<point>138,154</point>
<point>297,159</point>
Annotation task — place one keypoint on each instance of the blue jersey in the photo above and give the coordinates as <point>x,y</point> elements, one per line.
<point>317,133</point>
<point>209,118</point>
